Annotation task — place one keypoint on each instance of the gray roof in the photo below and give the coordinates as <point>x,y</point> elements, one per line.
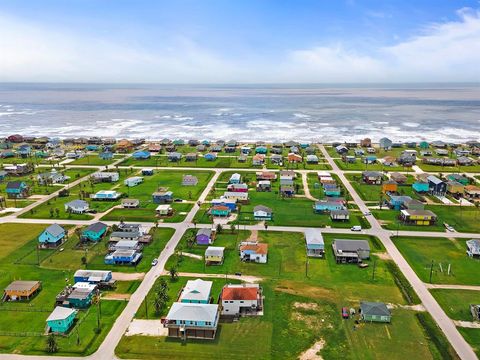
<point>55,230</point>
<point>20,285</point>
<point>434,179</point>
<point>262,208</point>
<point>313,237</point>
<point>193,312</point>
<point>92,273</point>
<point>339,212</point>
<point>96,227</point>
<point>374,308</point>
<point>204,231</point>
<point>77,204</point>
<point>60,313</point>
<point>351,245</point>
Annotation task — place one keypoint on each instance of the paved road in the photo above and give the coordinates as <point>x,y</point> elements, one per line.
<point>462,348</point>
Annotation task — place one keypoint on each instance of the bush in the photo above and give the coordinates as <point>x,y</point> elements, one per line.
<point>405,288</point>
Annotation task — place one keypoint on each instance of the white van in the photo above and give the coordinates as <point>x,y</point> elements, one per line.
<point>356,228</point>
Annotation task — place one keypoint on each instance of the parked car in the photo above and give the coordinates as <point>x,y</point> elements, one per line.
<point>367,213</point>
<point>178,200</point>
<point>356,228</point>
<point>238,274</point>
<point>448,227</point>
<point>154,262</point>
<point>345,313</point>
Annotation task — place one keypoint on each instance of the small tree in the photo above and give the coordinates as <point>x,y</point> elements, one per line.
<point>232,228</point>
<point>219,228</point>
<point>52,346</point>
<point>173,273</point>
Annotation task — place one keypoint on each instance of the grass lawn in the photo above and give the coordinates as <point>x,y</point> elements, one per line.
<point>147,214</point>
<point>374,192</point>
<point>389,220</point>
<point>18,242</point>
<point>160,238</point>
<point>473,338</point>
<point>94,159</point>
<point>419,252</point>
<point>299,310</point>
<point>445,169</point>
<point>456,302</point>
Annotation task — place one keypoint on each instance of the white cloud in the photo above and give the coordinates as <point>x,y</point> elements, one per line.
<point>448,51</point>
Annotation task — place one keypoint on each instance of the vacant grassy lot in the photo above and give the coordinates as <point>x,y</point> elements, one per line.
<point>20,319</point>
<point>300,309</point>
<point>456,302</point>
<point>94,159</point>
<point>420,252</point>
<point>444,169</point>
<point>147,213</point>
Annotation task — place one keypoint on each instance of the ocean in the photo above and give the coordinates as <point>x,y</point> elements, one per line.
<point>324,113</point>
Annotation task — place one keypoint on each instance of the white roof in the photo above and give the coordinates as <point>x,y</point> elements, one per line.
<point>126,244</point>
<point>163,207</point>
<point>214,251</point>
<point>84,285</point>
<point>193,312</point>
<point>196,290</point>
<point>60,313</point>
<point>313,237</point>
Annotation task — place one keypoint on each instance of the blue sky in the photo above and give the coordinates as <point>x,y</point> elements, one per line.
<point>213,41</point>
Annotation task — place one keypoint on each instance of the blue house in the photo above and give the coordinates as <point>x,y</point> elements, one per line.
<point>235,179</point>
<point>162,197</point>
<point>371,159</point>
<point>326,206</point>
<point>123,257</point>
<point>147,172</point>
<point>436,185</point>
<point>91,147</point>
<point>420,186</point>
<point>52,236</point>
<point>196,292</point>
<point>385,143</point>
<point>331,190</point>
<point>61,319</point>
<point>106,155</point>
<point>141,155</point>
<point>314,243</point>
<point>3,175</point>
<point>210,156</point>
<point>198,321</point>
<point>92,276</point>
<point>17,189</point>
<point>94,232</point>
<point>230,203</point>
<point>24,150</point>
<point>397,202</point>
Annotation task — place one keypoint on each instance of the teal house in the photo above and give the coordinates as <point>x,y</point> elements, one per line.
<point>61,319</point>
<point>420,187</point>
<point>261,150</point>
<point>196,291</point>
<point>94,232</point>
<point>375,312</point>
<point>52,236</point>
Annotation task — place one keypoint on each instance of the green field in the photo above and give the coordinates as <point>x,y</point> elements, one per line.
<point>420,252</point>
<point>147,214</point>
<point>300,309</point>
<point>94,160</point>
<point>456,303</point>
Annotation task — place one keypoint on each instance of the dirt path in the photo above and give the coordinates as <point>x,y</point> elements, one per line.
<point>127,276</point>
<point>467,324</point>
<point>246,278</point>
<point>193,256</point>
<point>253,236</point>
<point>146,328</point>
<point>312,353</point>
<point>453,287</point>
<point>383,256</point>
<point>116,297</point>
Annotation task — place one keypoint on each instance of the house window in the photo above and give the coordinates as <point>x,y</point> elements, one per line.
<point>241,301</point>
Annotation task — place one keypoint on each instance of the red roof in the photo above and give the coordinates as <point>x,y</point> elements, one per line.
<point>220,207</point>
<point>239,293</point>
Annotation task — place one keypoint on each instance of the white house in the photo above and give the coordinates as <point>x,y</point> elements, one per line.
<point>235,195</point>
<point>163,210</point>
<point>253,251</point>
<point>106,195</point>
<point>133,181</point>
<point>77,206</point>
<point>238,299</point>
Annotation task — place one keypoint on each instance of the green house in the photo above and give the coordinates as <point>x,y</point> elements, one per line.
<point>375,312</point>
<point>61,319</point>
<point>220,210</point>
<point>94,232</point>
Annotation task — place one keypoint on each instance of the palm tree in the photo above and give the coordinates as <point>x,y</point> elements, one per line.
<point>173,273</point>
<point>52,346</point>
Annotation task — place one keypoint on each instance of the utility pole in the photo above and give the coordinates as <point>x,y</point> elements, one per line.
<point>431,272</point>
<point>374,267</point>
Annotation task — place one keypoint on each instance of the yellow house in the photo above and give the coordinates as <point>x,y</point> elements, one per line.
<point>418,217</point>
<point>454,187</point>
<point>214,255</point>
<point>21,290</point>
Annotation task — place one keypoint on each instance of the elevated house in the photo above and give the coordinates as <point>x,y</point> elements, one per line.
<point>436,186</point>
<point>231,204</point>
<point>101,278</point>
<point>147,172</point>
<point>385,143</point>
<point>52,177</point>
<point>314,243</point>
<point>389,186</point>
<point>220,210</point>
<point>133,181</point>
<point>258,160</point>
<point>266,175</point>
<point>196,321</point>
<point>235,179</point>
<point>164,210</point>
<point>130,203</point>
<point>473,248</point>
<point>106,195</point>
<point>105,177</point>
<point>472,192</point>
<point>421,186</point>
<point>17,190</point>
<point>21,290</point>
<point>294,158</point>
<point>397,202</point>
<point>141,155</point>
<point>418,217</point>
<point>61,320</point>
<point>19,169</point>
<point>94,232</point>
<point>211,156</point>
<point>367,142</point>
<point>237,188</point>
<point>214,255</point>
<point>312,159</point>
<point>350,251</point>
<point>455,188</point>
<point>458,178</point>
<point>398,177</point>
<point>413,204</point>
<point>236,195</point>
<point>264,185</point>
<point>78,296</point>
<point>77,206</point>
<point>328,205</point>
<point>191,156</point>
<point>174,156</point>
<point>374,312</point>
<point>52,236</point>
<point>196,291</point>
<point>241,300</point>
<point>253,252</point>
<point>372,177</point>
<point>340,215</point>
<point>162,197</point>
